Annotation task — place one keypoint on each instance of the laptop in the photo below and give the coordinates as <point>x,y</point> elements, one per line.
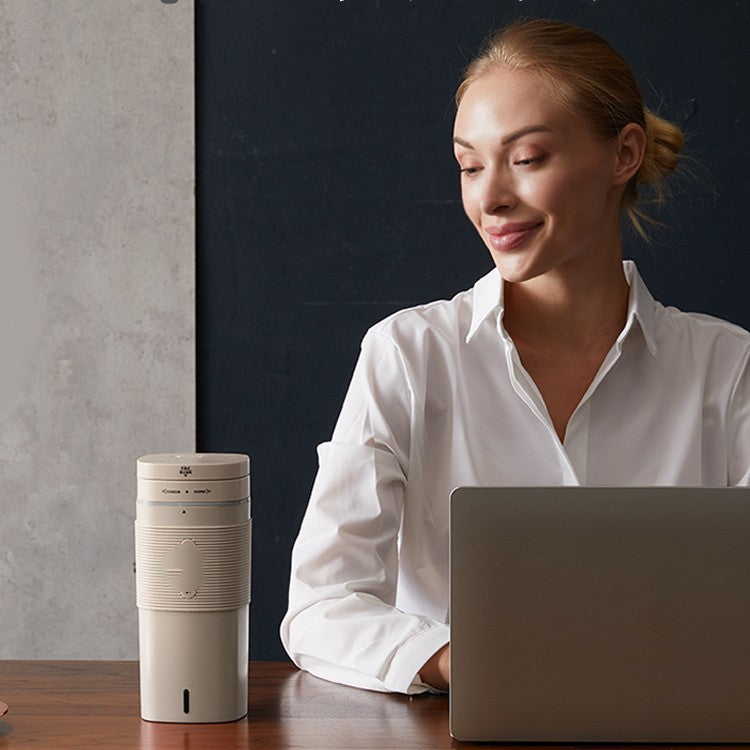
<point>583,614</point>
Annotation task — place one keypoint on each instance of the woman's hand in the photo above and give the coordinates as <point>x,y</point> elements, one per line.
<point>437,669</point>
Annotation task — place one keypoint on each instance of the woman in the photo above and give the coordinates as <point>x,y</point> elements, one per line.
<point>558,367</point>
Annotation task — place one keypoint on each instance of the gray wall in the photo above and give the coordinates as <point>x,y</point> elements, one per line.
<point>96,305</point>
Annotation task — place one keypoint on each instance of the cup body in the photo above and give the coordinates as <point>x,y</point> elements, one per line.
<point>193,537</point>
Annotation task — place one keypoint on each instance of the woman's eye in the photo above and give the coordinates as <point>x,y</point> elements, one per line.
<point>528,161</point>
<point>470,170</point>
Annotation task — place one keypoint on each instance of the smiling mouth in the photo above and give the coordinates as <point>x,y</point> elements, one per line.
<point>510,236</point>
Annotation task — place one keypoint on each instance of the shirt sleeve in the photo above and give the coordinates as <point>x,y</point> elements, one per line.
<point>342,623</point>
<point>739,422</point>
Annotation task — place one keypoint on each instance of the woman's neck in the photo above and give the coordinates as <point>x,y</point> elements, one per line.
<point>574,309</point>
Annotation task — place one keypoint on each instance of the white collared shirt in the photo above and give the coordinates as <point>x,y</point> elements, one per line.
<point>439,398</point>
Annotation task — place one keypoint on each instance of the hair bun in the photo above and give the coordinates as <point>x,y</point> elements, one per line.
<point>663,143</point>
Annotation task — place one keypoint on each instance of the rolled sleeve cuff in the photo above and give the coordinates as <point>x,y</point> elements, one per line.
<point>402,675</point>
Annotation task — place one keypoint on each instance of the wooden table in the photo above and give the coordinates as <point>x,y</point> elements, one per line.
<point>61,705</point>
<point>95,704</point>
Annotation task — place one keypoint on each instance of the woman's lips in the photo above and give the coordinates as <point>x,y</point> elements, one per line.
<point>510,236</point>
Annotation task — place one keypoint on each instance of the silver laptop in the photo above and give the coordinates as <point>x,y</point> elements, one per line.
<point>582,614</point>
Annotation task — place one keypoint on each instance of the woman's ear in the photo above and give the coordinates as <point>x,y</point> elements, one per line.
<point>630,151</point>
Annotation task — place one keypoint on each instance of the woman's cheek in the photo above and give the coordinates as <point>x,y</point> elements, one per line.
<point>469,198</point>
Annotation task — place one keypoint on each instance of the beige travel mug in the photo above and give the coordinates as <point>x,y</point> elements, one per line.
<point>192,550</point>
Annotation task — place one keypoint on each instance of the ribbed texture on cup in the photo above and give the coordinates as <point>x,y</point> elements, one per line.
<point>192,568</point>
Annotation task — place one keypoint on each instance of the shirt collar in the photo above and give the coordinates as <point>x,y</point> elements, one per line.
<point>641,307</point>
<point>488,298</point>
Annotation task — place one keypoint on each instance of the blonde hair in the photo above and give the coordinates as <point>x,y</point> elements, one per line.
<point>585,75</point>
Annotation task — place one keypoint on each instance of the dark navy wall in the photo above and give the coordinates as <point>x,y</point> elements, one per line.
<point>327,198</point>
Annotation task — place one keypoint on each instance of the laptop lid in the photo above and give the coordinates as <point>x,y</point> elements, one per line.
<point>583,614</point>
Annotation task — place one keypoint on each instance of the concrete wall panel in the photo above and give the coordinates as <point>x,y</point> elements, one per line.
<point>97,284</point>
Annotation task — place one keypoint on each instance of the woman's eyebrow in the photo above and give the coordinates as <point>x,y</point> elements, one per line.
<point>515,135</point>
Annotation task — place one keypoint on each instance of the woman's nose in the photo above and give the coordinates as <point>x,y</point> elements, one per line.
<point>497,194</point>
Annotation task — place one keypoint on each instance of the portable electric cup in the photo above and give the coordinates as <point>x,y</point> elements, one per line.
<point>192,555</point>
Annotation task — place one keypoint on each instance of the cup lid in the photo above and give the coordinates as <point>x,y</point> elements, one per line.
<point>193,466</point>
